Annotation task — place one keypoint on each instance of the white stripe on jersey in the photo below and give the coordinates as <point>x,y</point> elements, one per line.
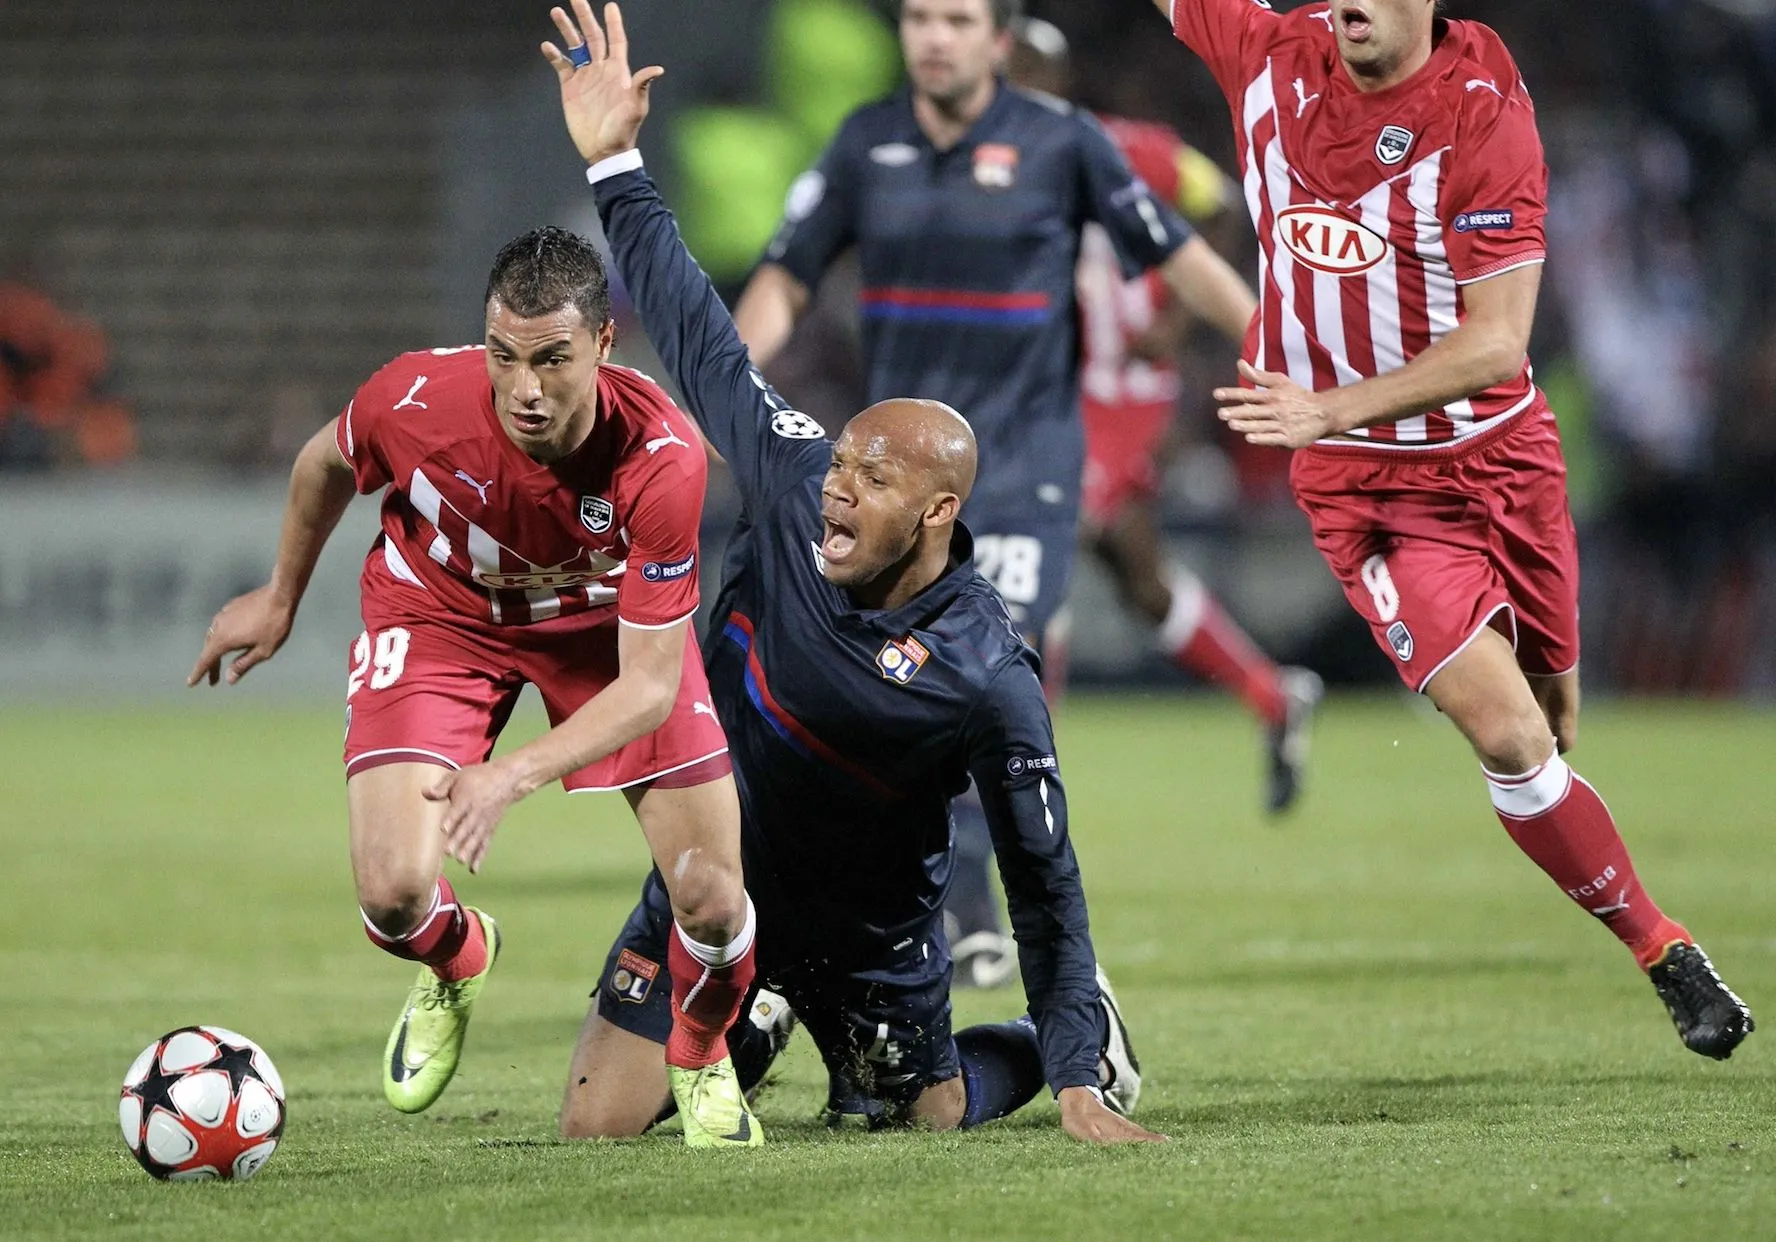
<point>397,564</point>
<point>1291,295</point>
<point>1258,102</point>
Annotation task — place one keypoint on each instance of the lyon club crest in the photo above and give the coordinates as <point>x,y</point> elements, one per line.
<point>596,514</point>
<point>1393,144</point>
<point>995,165</point>
<point>900,658</point>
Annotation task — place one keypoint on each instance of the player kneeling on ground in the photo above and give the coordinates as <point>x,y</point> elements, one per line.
<point>863,671</point>
<point>539,524</point>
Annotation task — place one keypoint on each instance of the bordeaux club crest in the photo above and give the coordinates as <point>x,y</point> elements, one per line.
<point>1393,144</point>
<point>596,514</point>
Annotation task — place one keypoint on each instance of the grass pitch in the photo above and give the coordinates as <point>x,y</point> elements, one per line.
<point>1375,1019</point>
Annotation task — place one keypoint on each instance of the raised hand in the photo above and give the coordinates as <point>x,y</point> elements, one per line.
<point>255,624</point>
<point>603,102</point>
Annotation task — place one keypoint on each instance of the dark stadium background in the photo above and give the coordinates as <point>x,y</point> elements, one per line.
<point>255,206</point>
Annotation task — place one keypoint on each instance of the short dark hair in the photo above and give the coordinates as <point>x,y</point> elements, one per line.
<point>1004,12</point>
<point>547,269</point>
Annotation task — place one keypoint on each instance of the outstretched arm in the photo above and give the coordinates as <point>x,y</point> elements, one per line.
<point>1011,756</point>
<point>767,444</point>
<point>257,623</point>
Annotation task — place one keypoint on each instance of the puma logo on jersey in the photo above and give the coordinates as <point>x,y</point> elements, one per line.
<point>700,708</point>
<point>411,392</point>
<point>654,446</point>
<point>480,488</point>
<point>1475,84</point>
<point>1325,16</point>
<point>1304,97</point>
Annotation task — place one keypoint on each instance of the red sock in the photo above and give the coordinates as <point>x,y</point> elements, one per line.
<point>1556,818</point>
<point>1200,638</point>
<point>449,939</point>
<point>708,984</point>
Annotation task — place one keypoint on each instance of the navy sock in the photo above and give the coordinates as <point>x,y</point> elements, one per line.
<point>970,900</point>
<point>1001,1069</point>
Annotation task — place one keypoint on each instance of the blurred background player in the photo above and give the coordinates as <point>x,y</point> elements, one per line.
<point>965,198</point>
<point>1395,176</point>
<point>863,671</point>
<point>1130,334</point>
<point>539,524</point>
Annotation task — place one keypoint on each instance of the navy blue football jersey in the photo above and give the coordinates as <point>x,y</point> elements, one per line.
<point>852,728</point>
<point>968,258</point>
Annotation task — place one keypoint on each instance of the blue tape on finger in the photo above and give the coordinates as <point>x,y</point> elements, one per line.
<point>581,55</point>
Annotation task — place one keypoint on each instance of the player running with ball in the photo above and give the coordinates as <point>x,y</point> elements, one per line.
<point>863,670</point>
<point>539,524</point>
<point>1394,173</point>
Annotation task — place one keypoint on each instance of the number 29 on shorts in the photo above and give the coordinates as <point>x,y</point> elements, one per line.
<point>380,658</point>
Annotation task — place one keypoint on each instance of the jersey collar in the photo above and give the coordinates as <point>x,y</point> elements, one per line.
<point>1002,91</point>
<point>918,611</point>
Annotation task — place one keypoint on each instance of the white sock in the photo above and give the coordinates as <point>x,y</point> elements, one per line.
<point>715,956</point>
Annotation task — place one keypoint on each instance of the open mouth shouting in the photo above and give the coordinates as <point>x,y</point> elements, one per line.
<point>1354,23</point>
<point>837,540</point>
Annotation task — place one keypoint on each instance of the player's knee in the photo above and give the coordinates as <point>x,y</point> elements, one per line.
<point>1510,742</point>
<point>709,902</point>
<point>941,1106</point>
<point>597,1123</point>
<point>392,906</point>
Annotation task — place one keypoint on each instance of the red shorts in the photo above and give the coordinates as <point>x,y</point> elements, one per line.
<point>425,691</point>
<point>1122,444</point>
<point>1431,545</point>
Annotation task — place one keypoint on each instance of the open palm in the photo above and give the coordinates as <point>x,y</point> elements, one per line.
<point>603,102</point>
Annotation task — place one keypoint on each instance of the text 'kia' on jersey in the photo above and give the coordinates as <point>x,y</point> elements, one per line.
<point>1373,210</point>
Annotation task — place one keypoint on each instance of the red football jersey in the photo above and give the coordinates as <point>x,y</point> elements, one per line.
<point>1373,210</point>
<point>1114,311</point>
<point>501,539</point>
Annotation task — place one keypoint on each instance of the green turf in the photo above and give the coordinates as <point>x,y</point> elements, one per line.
<point>1374,1020</point>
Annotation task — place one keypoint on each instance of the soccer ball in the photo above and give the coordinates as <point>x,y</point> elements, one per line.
<point>202,1102</point>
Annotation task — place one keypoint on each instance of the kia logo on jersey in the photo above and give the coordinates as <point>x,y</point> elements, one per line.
<point>596,514</point>
<point>1328,242</point>
<point>1393,144</point>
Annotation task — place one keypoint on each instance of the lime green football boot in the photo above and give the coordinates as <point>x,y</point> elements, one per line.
<point>427,1041</point>
<point>712,1107</point>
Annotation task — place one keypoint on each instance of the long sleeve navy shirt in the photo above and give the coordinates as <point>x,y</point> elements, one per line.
<point>852,728</point>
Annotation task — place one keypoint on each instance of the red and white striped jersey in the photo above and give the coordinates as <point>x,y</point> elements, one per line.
<point>1373,210</point>
<point>1113,311</point>
<point>498,538</point>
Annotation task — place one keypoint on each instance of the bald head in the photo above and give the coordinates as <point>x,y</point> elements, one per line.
<point>927,438</point>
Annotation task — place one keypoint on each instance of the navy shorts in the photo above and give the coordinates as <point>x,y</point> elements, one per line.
<point>883,1028</point>
<point>1029,561</point>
